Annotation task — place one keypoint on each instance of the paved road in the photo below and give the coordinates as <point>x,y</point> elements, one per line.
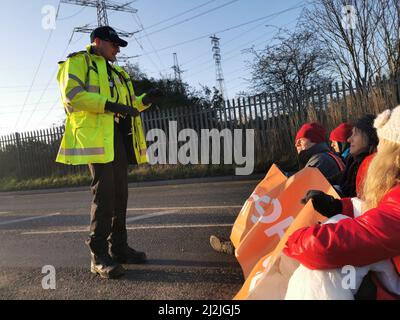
<point>171,223</point>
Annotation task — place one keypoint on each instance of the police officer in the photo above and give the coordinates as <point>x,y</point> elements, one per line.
<point>103,129</point>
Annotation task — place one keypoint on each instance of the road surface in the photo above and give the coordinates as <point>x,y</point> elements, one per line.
<point>171,223</point>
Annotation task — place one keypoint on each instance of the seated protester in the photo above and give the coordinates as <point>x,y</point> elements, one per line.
<point>338,138</point>
<point>363,142</point>
<point>365,238</point>
<point>313,151</point>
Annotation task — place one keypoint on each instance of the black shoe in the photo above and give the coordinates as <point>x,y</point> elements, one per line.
<point>129,256</point>
<point>105,267</point>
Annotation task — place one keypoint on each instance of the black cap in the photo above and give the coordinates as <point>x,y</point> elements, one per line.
<point>108,34</point>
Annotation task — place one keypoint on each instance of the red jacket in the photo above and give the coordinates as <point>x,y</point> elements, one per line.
<point>362,172</point>
<point>364,240</point>
<point>382,293</point>
<point>372,237</point>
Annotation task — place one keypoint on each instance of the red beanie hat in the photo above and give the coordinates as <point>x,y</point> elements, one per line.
<point>313,131</point>
<point>341,133</point>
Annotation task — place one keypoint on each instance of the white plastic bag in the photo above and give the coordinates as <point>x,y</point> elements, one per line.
<point>307,284</point>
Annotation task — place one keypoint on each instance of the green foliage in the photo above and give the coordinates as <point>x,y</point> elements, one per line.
<point>14,184</point>
<point>136,174</point>
<point>176,93</point>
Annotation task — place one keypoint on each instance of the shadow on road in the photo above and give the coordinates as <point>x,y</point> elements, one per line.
<point>184,276</point>
<point>188,263</point>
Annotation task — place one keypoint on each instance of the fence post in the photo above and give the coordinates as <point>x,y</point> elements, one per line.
<point>228,106</point>
<point>397,85</point>
<point>225,115</point>
<point>18,144</point>
<point>220,122</point>
<point>235,124</point>
<point>239,117</point>
<point>251,119</point>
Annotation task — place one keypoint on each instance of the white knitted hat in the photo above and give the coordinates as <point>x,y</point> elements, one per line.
<point>388,125</point>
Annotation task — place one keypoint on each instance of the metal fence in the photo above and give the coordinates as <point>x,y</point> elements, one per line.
<point>32,154</point>
<point>275,118</point>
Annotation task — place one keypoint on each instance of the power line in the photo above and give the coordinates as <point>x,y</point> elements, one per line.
<point>235,71</point>
<point>241,84</point>
<point>224,43</point>
<point>179,14</point>
<point>193,17</point>
<point>51,78</point>
<point>51,109</point>
<point>210,63</point>
<point>73,15</point>
<point>19,91</point>
<point>18,86</point>
<point>36,72</point>
<point>28,104</point>
<point>48,84</point>
<point>170,26</point>
<point>140,24</point>
<point>41,110</point>
<point>224,30</point>
<point>147,56</point>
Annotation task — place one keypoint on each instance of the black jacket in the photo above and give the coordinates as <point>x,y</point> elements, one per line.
<point>348,180</point>
<point>317,156</point>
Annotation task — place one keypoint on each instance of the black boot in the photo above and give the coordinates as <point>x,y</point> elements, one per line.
<point>101,262</point>
<point>127,255</point>
<point>105,267</point>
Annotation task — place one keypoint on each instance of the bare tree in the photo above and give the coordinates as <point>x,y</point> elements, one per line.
<point>389,36</point>
<point>134,71</point>
<point>361,37</point>
<point>292,66</point>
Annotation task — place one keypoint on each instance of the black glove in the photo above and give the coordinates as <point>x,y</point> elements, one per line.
<point>121,108</point>
<point>325,204</point>
<point>153,96</point>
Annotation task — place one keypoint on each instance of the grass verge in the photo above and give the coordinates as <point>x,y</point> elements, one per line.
<point>137,174</point>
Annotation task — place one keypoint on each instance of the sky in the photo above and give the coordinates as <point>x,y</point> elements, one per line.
<point>30,98</point>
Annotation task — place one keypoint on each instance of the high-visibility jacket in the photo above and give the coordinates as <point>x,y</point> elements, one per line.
<point>89,129</point>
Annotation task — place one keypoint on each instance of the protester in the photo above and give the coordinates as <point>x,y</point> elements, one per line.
<point>339,137</point>
<point>363,142</point>
<point>365,238</point>
<point>313,151</point>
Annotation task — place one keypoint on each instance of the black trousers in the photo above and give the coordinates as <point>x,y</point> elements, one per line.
<point>110,197</point>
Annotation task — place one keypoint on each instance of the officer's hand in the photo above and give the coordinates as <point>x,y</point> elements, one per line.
<point>121,108</point>
<point>153,96</point>
<point>324,203</point>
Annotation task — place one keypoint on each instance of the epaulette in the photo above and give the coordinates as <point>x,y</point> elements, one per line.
<point>75,53</point>
<point>72,55</point>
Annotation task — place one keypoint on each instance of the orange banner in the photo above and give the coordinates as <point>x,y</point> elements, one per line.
<point>273,212</point>
<point>269,278</point>
<point>244,222</point>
